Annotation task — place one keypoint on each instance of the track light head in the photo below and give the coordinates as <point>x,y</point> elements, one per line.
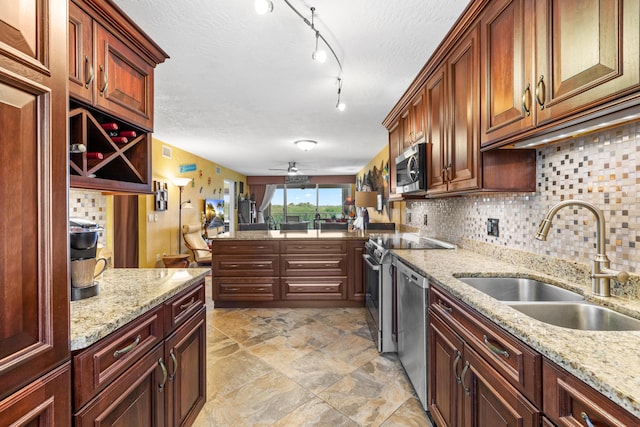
<point>263,6</point>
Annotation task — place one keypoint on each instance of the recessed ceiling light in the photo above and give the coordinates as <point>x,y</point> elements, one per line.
<point>306,144</point>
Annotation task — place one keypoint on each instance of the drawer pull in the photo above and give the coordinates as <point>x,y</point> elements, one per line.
<point>128,348</point>
<point>233,289</point>
<point>464,372</point>
<point>164,374</point>
<point>233,266</point>
<point>586,419</point>
<point>259,289</point>
<point>495,349</point>
<point>189,304</point>
<point>455,366</point>
<point>327,289</point>
<point>260,265</point>
<point>444,306</point>
<point>175,365</point>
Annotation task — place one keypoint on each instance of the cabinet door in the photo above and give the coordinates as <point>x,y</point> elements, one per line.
<point>587,53</point>
<point>355,268</point>
<point>405,126</point>
<point>394,151</point>
<point>45,402</point>
<point>489,400</point>
<point>464,96</point>
<point>136,399</point>
<point>445,364</point>
<point>417,117</point>
<point>34,285</point>
<point>436,131</point>
<point>186,363</point>
<point>124,81</point>
<point>506,64</point>
<point>81,59</point>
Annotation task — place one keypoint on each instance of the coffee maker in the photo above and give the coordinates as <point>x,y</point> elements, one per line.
<point>83,242</point>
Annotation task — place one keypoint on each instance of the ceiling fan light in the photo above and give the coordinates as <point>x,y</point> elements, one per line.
<point>305,144</point>
<point>319,56</point>
<point>263,6</point>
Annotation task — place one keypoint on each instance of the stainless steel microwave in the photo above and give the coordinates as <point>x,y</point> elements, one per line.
<point>411,170</point>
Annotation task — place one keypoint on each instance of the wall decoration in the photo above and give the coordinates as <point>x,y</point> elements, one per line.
<point>377,180</point>
<point>160,195</point>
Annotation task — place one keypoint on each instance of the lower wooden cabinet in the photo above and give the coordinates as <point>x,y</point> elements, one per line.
<point>156,379</point>
<point>570,402</point>
<point>44,402</point>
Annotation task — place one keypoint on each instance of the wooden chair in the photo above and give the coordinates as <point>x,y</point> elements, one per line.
<point>245,226</point>
<point>286,226</point>
<point>378,226</point>
<point>191,233</point>
<point>334,226</point>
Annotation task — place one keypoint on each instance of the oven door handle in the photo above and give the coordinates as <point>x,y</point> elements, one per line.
<point>371,266</point>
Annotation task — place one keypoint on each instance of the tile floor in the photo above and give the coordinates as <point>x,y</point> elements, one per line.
<point>302,367</point>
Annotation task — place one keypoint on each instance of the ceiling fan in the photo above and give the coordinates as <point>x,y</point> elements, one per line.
<point>291,170</point>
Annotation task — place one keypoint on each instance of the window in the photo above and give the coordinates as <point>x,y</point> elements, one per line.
<point>303,203</point>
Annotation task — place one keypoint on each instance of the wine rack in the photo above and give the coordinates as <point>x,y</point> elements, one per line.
<point>98,162</point>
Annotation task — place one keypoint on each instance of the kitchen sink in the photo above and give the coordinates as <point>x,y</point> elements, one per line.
<point>583,316</point>
<point>520,289</point>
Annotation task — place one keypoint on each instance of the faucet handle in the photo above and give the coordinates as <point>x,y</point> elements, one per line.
<point>620,276</point>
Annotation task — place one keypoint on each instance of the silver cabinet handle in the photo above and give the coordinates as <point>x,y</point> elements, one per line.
<point>586,419</point>
<point>455,366</point>
<point>175,365</point>
<point>233,289</point>
<point>164,374</point>
<point>464,371</point>
<point>189,304</point>
<point>444,306</point>
<point>495,349</point>
<point>128,348</point>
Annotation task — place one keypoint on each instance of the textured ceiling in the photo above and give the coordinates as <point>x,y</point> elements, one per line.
<point>240,88</point>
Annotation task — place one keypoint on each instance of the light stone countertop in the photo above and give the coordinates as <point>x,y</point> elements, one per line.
<point>125,294</point>
<point>608,361</point>
<point>294,235</point>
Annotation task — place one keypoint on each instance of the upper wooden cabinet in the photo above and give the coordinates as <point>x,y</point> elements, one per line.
<point>587,53</point>
<point>412,122</point>
<point>111,68</point>
<point>546,62</point>
<point>394,151</point>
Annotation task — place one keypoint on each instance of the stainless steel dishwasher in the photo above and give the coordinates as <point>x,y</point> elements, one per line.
<point>413,296</point>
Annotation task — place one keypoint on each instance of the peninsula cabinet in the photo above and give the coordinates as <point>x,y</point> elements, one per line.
<point>150,372</point>
<point>545,62</point>
<point>34,282</point>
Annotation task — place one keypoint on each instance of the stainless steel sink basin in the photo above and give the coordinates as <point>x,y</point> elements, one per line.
<point>581,316</point>
<point>520,289</point>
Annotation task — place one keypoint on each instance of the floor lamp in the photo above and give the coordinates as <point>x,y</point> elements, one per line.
<point>366,199</point>
<point>181,183</point>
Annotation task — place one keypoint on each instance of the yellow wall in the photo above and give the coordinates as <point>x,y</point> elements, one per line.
<point>379,161</point>
<point>160,235</point>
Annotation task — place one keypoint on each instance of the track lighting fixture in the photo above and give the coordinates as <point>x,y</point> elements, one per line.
<point>263,6</point>
<point>320,55</point>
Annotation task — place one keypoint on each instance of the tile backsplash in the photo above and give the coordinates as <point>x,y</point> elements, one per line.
<point>602,168</point>
<point>89,205</point>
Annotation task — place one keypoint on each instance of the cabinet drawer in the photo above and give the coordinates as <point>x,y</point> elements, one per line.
<point>245,266</point>
<point>314,247</point>
<point>314,288</point>
<point>98,365</point>
<point>304,265</point>
<point>249,247</point>
<point>250,288</point>
<point>570,402</point>
<point>182,306</point>
<point>519,364</point>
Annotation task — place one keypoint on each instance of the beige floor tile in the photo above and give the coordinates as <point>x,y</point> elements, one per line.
<point>316,413</point>
<point>230,373</point>
<point>410,414</point>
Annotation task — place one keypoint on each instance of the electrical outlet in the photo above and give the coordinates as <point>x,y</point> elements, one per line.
<point>425,220</point>
<point>492,227</point>
<point>409,217</point>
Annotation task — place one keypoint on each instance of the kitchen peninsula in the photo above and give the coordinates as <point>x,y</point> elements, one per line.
<point>288,268</point>
<point>138,348</point>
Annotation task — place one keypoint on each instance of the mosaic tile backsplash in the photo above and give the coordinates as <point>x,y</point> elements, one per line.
<point>90,205</point>
<point>601,168</point>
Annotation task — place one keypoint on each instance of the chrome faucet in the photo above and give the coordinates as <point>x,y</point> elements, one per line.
<point>600,273</point>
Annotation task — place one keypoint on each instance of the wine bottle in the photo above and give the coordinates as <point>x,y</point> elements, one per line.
<point>119,139</point>
<point>128,133</point>
<point>95,155</point>
<point>109,126</point>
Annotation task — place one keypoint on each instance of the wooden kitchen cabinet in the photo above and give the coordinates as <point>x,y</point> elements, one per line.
<point>570,402</point>
<point>110,82</point>
<point>149,372</point>
<point>452,94</point>
<point>355,271</point>
<point>34,282</point>
<point>587,53</point>
<point>478,375</point>
<point>395,149</point>
<point>412,122</point>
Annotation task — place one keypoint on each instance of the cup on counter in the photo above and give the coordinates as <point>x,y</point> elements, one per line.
<point>83,271</point>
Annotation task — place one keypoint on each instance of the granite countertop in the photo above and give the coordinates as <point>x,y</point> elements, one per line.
<point>125,294</point>
<point>608,361</point>
<point>293,235</point>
